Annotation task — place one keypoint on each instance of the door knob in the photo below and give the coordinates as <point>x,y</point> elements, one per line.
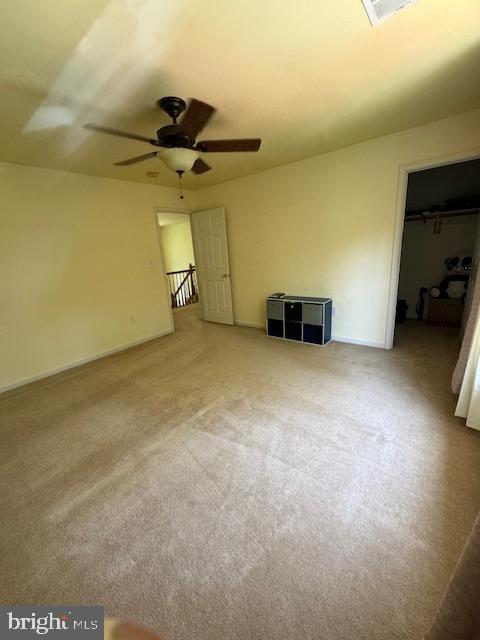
<point>226,275</point>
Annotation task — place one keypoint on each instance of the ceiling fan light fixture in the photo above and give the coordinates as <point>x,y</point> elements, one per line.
<point>178,158</point>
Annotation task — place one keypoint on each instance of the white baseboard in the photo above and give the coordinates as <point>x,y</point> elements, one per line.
<point>78,363</point>
<point>361,343</point>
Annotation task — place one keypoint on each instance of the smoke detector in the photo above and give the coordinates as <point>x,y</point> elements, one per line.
<point>378,10</point>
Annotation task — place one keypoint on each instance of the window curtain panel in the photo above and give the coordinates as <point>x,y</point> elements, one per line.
<point>458,616</point>
<point>468,405</point>
<point>466,376</point>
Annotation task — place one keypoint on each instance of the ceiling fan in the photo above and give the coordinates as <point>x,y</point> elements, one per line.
<point>177,141</point>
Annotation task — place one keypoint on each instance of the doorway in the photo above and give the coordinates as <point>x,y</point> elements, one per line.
<point>440,250</point>
<point>194,247</point>
<point>178,257</point>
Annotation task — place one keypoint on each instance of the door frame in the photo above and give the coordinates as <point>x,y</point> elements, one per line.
<point>402,182</point>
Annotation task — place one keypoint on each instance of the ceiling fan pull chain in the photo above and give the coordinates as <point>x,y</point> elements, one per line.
<point>180,183</point>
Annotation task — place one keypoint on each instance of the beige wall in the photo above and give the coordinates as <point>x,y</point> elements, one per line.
<point>424,253</point>
<point>324,226</point>
<point>177,246</point>
<point>80,268</point>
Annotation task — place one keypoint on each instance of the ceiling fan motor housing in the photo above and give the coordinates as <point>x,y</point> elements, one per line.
<point>172,135</point>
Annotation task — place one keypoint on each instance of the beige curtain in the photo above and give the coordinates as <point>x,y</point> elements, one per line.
<point>466,376</point>
<point>468,405</point>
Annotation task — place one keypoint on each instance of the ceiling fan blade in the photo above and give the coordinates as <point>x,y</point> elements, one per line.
<point>199,166</point>
<point>125,163</point>
<point>216,146</point>
<point>120,134</point>
<point>196,117</point>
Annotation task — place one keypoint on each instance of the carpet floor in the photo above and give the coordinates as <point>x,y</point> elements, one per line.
<point>217,484</point>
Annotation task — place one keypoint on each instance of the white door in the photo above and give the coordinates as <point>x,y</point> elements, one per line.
<point>210,246</point>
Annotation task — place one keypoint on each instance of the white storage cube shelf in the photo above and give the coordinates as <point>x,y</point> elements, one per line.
<point>300,318</point>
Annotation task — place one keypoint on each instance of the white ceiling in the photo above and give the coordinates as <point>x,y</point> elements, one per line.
<point>307,76</point>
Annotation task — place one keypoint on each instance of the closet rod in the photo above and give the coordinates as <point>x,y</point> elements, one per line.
<point>429,215</point>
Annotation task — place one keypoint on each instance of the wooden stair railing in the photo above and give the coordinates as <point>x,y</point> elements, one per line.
<point>183,287</point>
